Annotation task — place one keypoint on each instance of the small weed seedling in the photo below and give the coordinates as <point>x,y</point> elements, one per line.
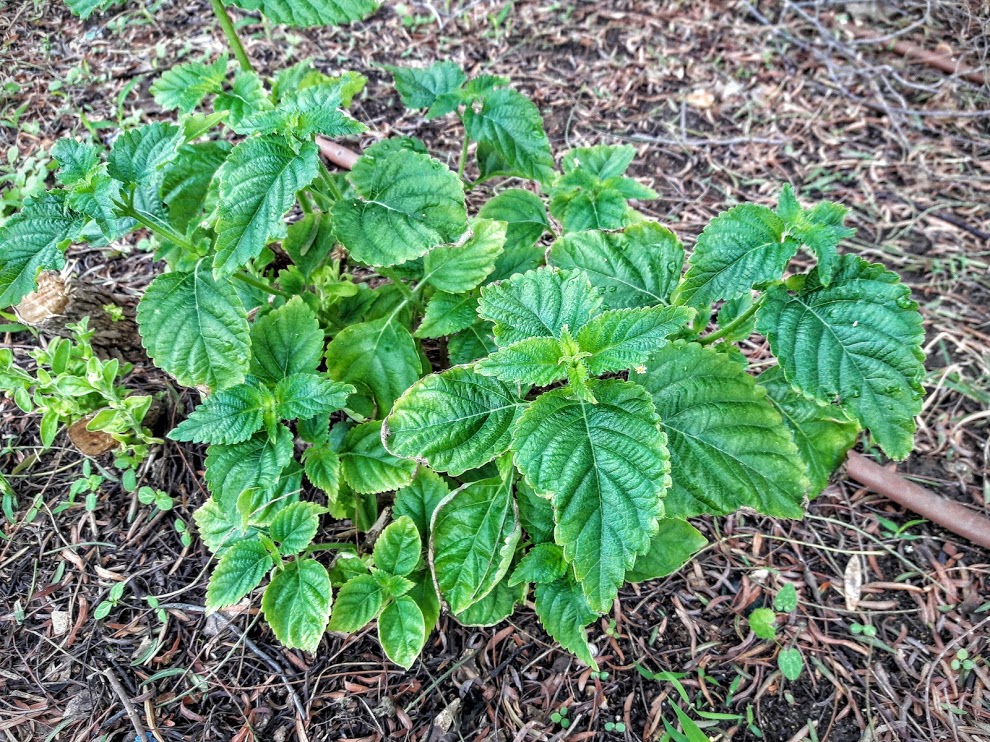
<point>546,389</point>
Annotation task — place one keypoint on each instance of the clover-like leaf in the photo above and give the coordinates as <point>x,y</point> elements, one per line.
<point>368,468</point>
<point>738,249</point>
<point>475,530</point>
<point>454,421</point>
<point>606,468</point>
<point>408,204</point>
<point>564,612</point>
<point>728,445</point>
<point>230,416</point>
<point>239,571</point>
<point>258,184</point>
<point>674,543</point>
<point>196,328</point>
<point>637,267</point>
<point>539,304</point>
<point>358,603</point>
<point>297,603</point>
<point>402,631</point>
<point>857,340</point>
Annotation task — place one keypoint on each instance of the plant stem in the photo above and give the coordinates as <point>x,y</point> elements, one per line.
<point>230,32</point>
<point>733,325</point>
<point>464,154</point>
<point>162,231</point>
<point>260,285</point>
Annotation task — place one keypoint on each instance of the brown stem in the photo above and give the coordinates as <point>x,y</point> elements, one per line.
<point>947,513</point>
<point>338,154</point>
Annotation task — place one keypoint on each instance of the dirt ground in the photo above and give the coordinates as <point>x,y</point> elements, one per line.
<point>725,102</point>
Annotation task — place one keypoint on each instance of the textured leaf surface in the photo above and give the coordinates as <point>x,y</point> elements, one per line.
<point>402,631</point>
<point>286,341</point>
<point>524,214</point>
<point>538,304</point>
<point>534,361</point>
<point>448,313</point>
<point>189,179</point>
<point>495,607</point>
<point>409,203</point>
<point>471,344</point>
<point>543,564</point>
<point>637,267</point>
<point>511,125</point>
<point>738,249</point>
<point>378,358</point>
<point>728,445</point>
<point>239,571</point>
<point>419,499</point>
<point>195,328</point>
<point>606,468</point>
<point>398,549</point>
<point>821,228</point>
<point>32,241</point>
<point>308,395</point>
<point>358,602</point>
<point>230,416</point>
<point>857,340</point>
<point>258,184</point>
<point>368,468</point>
<point>185,85</point>
<point>460,268</point>
<point>454,421</point>
<point>140,155</point>
<point>322,467</point>
<point>674,543</point>
<point>474,535</point>
<point>295,526</point>
<point>307,13</point>
<point>436,87</point>
<point>823,433</point>
<point>255,463</point>
<point>76,160</point>
<point>220,527</point>
<point>603,160</point>
<point>579,210</point>
<point>564,612</point>
<point>296,604</point>
<point>621,339</point>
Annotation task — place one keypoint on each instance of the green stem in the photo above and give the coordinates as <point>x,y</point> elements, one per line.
<point>163,231</point>
<point>260,285</point>
<point>464,154</point>
<point>305,203</point>
<point>230,32</point>
<point>733,325</point>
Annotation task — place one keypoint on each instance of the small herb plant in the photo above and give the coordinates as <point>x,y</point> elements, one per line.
<point>539,390</point>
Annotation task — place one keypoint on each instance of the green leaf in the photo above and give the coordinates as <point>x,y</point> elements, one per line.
<point>495,607</point>
<point>564,612</point>
<point>601,161</point>
<point>286,341</point>
<point>786,599</point>
<point>189,182</point>
<point>230,416</point>
<point>76,160</point>
<point>220,527</point>
<point>295,526</point>
<point>195,328</point>
<point>34,240</point>
<point>309,241</point>
<point>535,513</point>
<point>524,214</point>
<point>185,85</point>
<point>539,304</point>
<point>255,463</point>
<point>728,445</point>
<point>791,663</point>
<point>311,12</point>
<point>258,184</point>
<point>858,340</point>
<point>85,8</point>
<point>419,499</point>
<point>475,531</point>
<point>674,543</point>
<point>606,468</point>
<point>761,621</point>
<point>453,421</point>
<point>94,198</point>
<point>322,467</point>
<point>460,268</point>
<point>258,506</point>
<point>368,468</point>
<point>140,155</point>
<point>436,87</point>
<point>409,203</point>
<point>823,433</point>
<point>536,361</point>
<point>511,125</point>
<point>543,564</point>
<point>424,592</point>
<point>820,228</point>
<point>738,249</point>
<point>402,631</point>
<point>621,339</point>
<point>398,549</point>
<point>297,602</point>
<point>448,313</point>
<point>471,344</point>
<point>246,97</point>
<point>239,571</point>
<point>581,209</point>
<point>358,602</point>
<point>379,358</point>
<point>308,395</point>
<point>637,267</point>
